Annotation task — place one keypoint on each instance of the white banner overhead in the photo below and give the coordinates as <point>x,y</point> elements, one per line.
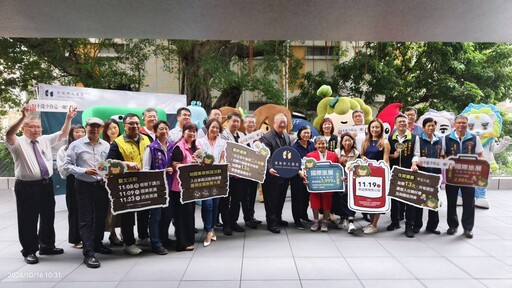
<point>87,97</point>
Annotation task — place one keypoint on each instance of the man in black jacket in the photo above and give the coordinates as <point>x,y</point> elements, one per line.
<point>275,187</point>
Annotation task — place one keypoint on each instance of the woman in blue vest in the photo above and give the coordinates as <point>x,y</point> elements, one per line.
<point>157,156</point>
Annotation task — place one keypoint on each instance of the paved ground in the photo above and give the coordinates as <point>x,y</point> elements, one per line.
<point>291,259</point>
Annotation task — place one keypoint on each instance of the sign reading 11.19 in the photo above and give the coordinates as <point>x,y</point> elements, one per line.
<point>369,186</point>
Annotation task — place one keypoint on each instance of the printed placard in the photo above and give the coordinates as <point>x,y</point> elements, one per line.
<point>323,176</point>
<point>286,161</point>
<point>419,188</point>
<point>368,185</point>
<point>434,162</point>
<point>200,182</point>
<point>468,170</point>
<point>50,105</point>
<point>246,162</point>
<point>134,191</point>
<point>249,138</point>
<point>359,129</point>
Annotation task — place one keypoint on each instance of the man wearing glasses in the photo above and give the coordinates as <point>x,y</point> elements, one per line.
<point>35,199</point>
<point>129,148</point>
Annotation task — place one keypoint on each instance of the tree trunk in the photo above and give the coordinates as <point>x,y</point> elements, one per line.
<point>229,97</point>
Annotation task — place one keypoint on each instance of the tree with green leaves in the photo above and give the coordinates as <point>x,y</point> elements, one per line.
<point>441,76</point>
<point>228,67</point>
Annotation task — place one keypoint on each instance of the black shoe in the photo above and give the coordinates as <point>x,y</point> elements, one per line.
<point>307,220</point>
<point>468,234</point>
<point>416,230</point>
<point>256,221</point>
<point>274,229</point>
<point>393,226</point>
<point>299,225</point>
<point>451,231</point>
<point>409,233</point>
<point>51,251</point>
<point>103,250</point>
<point>251,224</point>
<point>91,262</point>
<point>237,228</point>
<point>227,231</point>
<point>282,223</point>
<point>366,217</point>
<point>31,259</point>
<point>433,231</point>
<point>218,225</point>
<point>159,250</point>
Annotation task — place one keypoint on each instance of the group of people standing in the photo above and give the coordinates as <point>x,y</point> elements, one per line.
<point>155,146</point>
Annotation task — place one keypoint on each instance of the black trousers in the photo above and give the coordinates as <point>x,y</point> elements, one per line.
<point>92,199</point>
<point>409,213</point>
<point>274,194</point>
<point>229,206</point>
<point>73,223</point>
<point>184,221</point>
<point>252,191</point>
<point>300,199</point>
<point>35,202</point>
<point>432,222</point>
<point>143,223</point>
<point>468,206</point>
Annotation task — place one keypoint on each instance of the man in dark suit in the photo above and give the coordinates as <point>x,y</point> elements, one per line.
<point>275,187</point>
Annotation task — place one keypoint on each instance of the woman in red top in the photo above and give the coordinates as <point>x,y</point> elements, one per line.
<point>321,200</point>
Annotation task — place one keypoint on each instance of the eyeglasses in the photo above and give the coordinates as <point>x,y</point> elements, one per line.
<point>34,127</point>
<point>133,124</point>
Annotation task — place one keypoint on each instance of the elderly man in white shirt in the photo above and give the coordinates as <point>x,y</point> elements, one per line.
<point>35,200</point>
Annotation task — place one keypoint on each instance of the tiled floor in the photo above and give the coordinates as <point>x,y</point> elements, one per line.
<point>293,258</point>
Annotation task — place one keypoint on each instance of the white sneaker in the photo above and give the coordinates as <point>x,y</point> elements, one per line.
<point>144,242</point>
<point>132,249</point>
<point>342,224</point>
<point>351,228</point>
<point>366,227</point>
<point>324,226</point>
<point>370,230</point>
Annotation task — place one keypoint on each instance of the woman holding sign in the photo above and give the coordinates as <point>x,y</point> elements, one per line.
<point>76,132</point>
<point>346,153</point>
<point>300,195</point>
<point>216,146</point>
<point>321,200</point>
<point>157,156</point>
<point>184,222</point>
<point>375,147</point>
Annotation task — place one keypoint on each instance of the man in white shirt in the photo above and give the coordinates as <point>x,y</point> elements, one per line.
<point>183,116</point>
<point>35,200</point>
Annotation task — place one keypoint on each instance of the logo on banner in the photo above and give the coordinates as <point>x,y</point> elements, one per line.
<point>286,161</point>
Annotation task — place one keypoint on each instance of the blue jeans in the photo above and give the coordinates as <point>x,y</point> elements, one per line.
<point>209,212</point>
<point>155,215</point>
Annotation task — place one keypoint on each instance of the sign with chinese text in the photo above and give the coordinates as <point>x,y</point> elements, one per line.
<point>286,161</point>
<point>468,170</point>
<point>368,185</point>
<point>358,129</point>
<point>200,182</point>
<point>246,162</point>
<point>249,138</point>
<point>134,191</point>
<point>324,176</point>
<point>434,162</point>
<point>50,105</point>
<point>420,189</point>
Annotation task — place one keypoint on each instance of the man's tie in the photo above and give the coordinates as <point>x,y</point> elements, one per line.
<point>42,165</point>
